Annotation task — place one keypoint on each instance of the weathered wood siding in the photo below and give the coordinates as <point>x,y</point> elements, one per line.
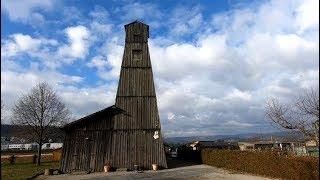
<point>87,146</point>
<point>133,141</point>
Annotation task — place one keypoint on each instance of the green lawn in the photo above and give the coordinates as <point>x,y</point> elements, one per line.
<point>24,170</point>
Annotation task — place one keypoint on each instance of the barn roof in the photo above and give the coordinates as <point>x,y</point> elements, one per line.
<point>109,111</point>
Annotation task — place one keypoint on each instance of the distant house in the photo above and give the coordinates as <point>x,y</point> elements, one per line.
<point>244,146</point>
<point>4,146</point>
<point>167,148</point>
<point>199,145</point>
<point>16,146</point>
<point>312,149</point>
<point>170,150</point>
<point>52,145</point>
<point>31,146</point>
<point>300,151</point>
<point>311,143</point>
<point>297,148</point>
<point>266,145</point>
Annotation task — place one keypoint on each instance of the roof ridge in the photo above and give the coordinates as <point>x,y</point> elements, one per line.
<point>136,21</point>
<point>113,107</point>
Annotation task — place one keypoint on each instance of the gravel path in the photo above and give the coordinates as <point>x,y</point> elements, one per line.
<point>189,172</point>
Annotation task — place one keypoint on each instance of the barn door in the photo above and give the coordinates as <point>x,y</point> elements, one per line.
<point>88,150</point>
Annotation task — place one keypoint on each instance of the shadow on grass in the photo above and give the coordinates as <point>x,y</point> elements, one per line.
<point>24,170</point>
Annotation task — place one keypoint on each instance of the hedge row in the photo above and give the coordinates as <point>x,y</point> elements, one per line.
<point>265,163</point>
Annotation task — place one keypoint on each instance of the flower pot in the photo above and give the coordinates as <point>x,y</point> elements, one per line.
<point>48,172</point>
<point>107,168</point>
<point>136,167</point>
<point>155,167</point>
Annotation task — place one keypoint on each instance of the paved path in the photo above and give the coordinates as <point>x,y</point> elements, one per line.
<point>196,172</point>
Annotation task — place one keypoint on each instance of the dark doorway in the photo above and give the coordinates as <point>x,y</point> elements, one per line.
<point>88,148</point>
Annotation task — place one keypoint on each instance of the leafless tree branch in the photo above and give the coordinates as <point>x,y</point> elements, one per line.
<point>38,111</point>
<point>302,115</point>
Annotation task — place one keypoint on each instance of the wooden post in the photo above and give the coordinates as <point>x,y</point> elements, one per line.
<point>34,159</point>
<point>12,159</point>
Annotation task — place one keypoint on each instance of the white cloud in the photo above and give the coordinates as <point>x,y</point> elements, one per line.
<point>51,52</point>
<point>237,124</point>
<point>99,13</point>
<point>236,94</point>
<point>78,37</point>
<point>222,79</point>
<point>15,82</point>
<point>26,11</point>
<point>254,55</point>
<point>97,62</point>
<point>86,100</point>
<point>138,11</point>
<point>113,53</point>
<point>308,15</point>
<point>100,28</point>
<point>216,83</point>
<point>80,100</point>
<point>21,43</point>
<point>185,20</point>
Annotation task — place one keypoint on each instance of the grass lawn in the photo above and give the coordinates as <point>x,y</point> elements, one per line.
<point>24,170</point>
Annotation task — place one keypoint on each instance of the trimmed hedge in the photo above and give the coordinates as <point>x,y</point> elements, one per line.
<point>266,163</point>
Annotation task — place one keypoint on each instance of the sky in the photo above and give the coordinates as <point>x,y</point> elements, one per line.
<point>215,63</point>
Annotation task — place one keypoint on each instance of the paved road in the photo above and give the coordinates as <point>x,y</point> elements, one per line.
<point>196,172</point>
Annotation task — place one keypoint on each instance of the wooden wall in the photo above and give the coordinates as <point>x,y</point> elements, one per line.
<point>87,146</point>
<point>134,29</point>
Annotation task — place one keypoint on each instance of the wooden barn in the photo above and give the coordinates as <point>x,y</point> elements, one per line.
<point>128,133</point>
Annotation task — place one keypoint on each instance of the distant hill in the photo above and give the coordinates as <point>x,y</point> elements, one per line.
<point>8,130</point>
<point>289,136</point>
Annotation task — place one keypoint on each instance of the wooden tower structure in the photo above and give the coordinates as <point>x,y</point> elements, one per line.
<point>138,140</point>
<point>127,133</point>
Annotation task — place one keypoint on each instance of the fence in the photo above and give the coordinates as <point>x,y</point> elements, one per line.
<point>30,158</point>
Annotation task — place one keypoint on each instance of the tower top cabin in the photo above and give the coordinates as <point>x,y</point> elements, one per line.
<point>137,32</point>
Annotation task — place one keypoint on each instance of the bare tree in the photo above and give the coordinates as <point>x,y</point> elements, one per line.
<point>302,115</point>
<point>38,111</point>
